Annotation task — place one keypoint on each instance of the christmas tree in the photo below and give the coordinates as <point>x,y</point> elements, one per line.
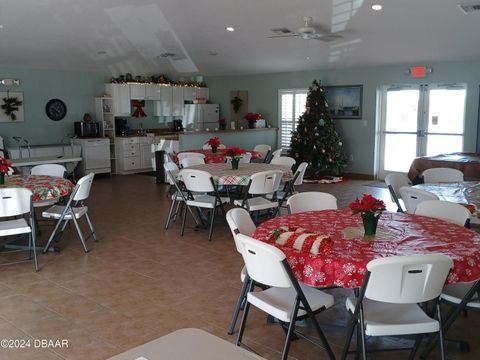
<point>316,140</point>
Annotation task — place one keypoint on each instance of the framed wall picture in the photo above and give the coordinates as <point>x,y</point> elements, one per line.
<point>344,102</point>
<point>11,107</point>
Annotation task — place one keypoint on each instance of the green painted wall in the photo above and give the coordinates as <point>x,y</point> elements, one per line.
<point>76,89</point>
<point>359,135</point>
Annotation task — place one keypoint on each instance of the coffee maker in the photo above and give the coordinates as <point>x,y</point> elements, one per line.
<point>177,125</point>
<point>121,127</point>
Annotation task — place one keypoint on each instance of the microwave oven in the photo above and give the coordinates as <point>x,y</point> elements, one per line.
<point>87,129</point>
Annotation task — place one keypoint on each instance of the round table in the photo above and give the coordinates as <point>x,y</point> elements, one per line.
<point>43,187</point>
<point>344,262</point>
<point>223,174</point>
<point>218,157</point>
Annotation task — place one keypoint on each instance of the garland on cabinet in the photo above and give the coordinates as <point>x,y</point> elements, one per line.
<point>155,79</point>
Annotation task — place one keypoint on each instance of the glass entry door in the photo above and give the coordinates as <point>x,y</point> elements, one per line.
<point>419,120</point>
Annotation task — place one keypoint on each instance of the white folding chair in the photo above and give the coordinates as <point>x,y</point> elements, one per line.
<point>15,202</point>
<point>178,196</point>
<point>49,170</point>
<point>261,184</point>
<point>436,175</point>
<point>192,161</point>
<point>183,155</point>
<point>412,197</point>
<point>240,222</point>
<point>246,158</point>
<point>387,304</point>
<point>311,201</point>
<point>444,210</point>
<point>73,210</point>
<point>289,187</point>
<point>263,149</point>
<point>284,160</point>
<point>276,154</point>
<point>286,299</point>
<point>394,182</point>
<point>198,181</point>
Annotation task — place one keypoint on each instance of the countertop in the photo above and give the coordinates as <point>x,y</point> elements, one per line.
<point>224,131</point>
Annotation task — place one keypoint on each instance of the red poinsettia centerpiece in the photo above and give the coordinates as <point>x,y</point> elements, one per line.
<point>367,204</point>
<point>370,208</point>
<point>5,168</point>
<point>253,116</point>
<point>214,142</point>
<point>234,152</point>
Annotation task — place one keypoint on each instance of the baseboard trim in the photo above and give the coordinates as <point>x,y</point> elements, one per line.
<point>357,176</point>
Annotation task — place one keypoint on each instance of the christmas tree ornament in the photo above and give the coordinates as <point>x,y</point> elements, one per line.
<point>321,122</point>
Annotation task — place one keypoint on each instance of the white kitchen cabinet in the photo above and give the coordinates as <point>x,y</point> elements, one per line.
<point>192,93</point>
<point>164,107</point>
<point>137,91</point>
<point>178,101</point>
<point>133,154</point>
<point>153,92</point>
<point>203,93</point>
<point>120,94</point>
<point>95,156</point>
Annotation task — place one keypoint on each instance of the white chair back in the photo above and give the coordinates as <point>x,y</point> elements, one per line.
<point>265,182</point>
<point>263,149</point>
<point>436,175</point>
<point>49,169</point>
<point>14,201</point>
<point>412,197</point>
<point>84,185</point>
<point>192,161</point>
<point>407,279</point>
<point>170,168</point>
<point>183,155</point>
<point>263,262</point>
<point>240,222</point>
<point>396,181</point>
<point>284,160</point>
<point>444,210</point>
<point>276,154</point>
<point>311,201</point>
<point>197,180</point>
<point>301,173</point>
<point>246,158</point>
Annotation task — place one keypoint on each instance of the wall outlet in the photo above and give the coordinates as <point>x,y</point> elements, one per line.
<point>350,157</point>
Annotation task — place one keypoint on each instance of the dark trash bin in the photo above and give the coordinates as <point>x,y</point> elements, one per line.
<point>160,171</point>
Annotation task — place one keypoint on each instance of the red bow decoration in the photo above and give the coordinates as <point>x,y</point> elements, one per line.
<point>138,105</point>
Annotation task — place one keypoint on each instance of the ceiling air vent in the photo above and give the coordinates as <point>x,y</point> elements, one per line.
<point>469,8</point>
<point>282,31</point>
<point>167,55</point>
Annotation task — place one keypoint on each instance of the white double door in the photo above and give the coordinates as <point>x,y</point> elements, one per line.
<point>419,120</point>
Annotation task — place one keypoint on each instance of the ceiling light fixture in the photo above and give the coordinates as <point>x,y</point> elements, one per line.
<point>229,28</point>
<point>308,57</point>
<point>377,7</point>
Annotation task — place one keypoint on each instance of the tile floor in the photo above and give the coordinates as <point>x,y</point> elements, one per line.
<point>140,282</point>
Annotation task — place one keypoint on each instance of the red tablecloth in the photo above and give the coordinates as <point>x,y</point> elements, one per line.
<point>218,157</point>
<point>43,187</point>
<point>397,234</point>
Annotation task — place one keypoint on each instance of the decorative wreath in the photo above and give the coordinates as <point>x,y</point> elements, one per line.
<point>10,106</point>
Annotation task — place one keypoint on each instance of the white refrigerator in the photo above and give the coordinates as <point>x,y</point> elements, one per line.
<point>201,116</point>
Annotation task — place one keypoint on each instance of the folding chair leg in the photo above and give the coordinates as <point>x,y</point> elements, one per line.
<point>361,326</point>
<point>322,337</point>
<point>80,235</point>
<point>440,333</point>
<point>418,341</point>
<point>348,340</point>
<point>241,299</point>
<point>52,236</point>
<point>92,229</point>
<point>33,241</point>
<point>291,328</point>
<point>212,219</point>
<point>169,216</point>
<point>183,221</point>
<point>244,317</point>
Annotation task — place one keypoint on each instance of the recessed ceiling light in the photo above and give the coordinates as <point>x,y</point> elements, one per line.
<point>377,7</point>
<point>308,57</point>
<point>1,26</point>
<point>229,28</point>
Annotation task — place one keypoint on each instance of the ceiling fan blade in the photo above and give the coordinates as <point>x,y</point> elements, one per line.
<point>327,37</point>
<point>282,36</point>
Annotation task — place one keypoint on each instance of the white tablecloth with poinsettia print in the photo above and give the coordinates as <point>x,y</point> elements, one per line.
<point>43,187</point>
<point>224,175</point>
<point>344,263</point>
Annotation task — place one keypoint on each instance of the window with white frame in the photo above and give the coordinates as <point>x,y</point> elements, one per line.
<point>291,107</point>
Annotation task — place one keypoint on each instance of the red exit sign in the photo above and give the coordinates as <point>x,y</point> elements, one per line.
<point>419,71</point>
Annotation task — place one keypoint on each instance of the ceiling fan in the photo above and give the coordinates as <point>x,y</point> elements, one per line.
<point>307,31</point>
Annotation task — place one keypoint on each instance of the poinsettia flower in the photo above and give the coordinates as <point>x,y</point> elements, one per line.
<point>214,142</point>
<point>367,204</point>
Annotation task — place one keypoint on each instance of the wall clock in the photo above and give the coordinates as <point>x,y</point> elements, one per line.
<point>56,109</point>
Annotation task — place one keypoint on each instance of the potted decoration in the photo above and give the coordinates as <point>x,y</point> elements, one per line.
<point>235,154</point>
<point>5,168</point>
<point>252,119</point>
<point>370,209</point>
<point>222,123</point>
<point>214,142</point>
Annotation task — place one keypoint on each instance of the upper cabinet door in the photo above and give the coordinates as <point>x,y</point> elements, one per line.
<point>202,93</point>
<point>189,93</point>
<point>178,101</point>
<point>120,97</point>
<point>153,92</point>
<point>137,91</point>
